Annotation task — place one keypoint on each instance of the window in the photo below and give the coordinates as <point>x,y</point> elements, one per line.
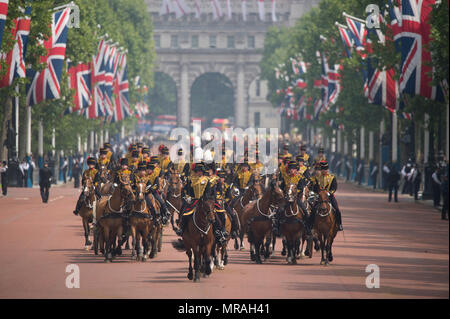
<point>257,119</point>
<point>230,42</point>
<point>157,41</point>
<point>258,87</point>
<point>174,41</point>
<point>251,41</point>
<point>195,41</point>
<point>212,41</point>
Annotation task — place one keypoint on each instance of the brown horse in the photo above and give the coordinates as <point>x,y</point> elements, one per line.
<point>325,226</point>
<point>253,192</point>
<point>106,186</point>
<point>112,211</point>
<point>292,228</point>
<point>198,238</point>
<point>173,196</point>
<point>257,222</point>
<point>141,223</point>
<point>86,210</point>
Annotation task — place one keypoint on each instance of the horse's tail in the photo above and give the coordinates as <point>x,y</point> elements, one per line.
<point>178,245</point>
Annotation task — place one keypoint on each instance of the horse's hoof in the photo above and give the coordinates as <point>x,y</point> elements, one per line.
<point>242,247</point>
<point>144,259</point>
<point>252,257</point>
<point>236,246</point>
<point>127,247</point>
<point>322,262</point>
<point>107,260</point>
<point>259,261</point>
<point>330,258</point>
<point>88,243</point>
<point>196,279</point>
<point>190,276</point>
<point>86,247</point>
<point>283,253</point>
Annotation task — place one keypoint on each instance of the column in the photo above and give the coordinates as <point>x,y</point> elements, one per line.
<point>53,142</point>
<point>91,146</point>
<point>28,148</point>
<point>338,141</point>
<point>380,162</point>
<point>106,136</point>
<point>101,139</point>
<point>183,112</point>
<point>40,139</point>
<point>394,137</point>
<point>371,148</point>
<point>16,120</point>
<point>240,107</point>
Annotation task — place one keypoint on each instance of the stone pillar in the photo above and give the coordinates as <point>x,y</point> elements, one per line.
<point>183,112</point>
<point>426,140</point>
<point>362,143</point>
<point>338,141</point>
<point>394,137</point>
<point>240,113</point>
<point>371,146</point>
<point>40,139</point>
<point>28,145</point>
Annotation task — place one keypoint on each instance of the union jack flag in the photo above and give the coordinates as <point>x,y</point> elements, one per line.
<point>334,87</point>
<point>358,32</point>
<point>412,33</point>
<point>15,59</point>
<point>317,108</point>
<point>45,84</point>
<point>347,39</point>
<point>110,62</point>
<point>80,81</point>
<point>3,13</point>
<point>122,107</point>
<point>97,108</point>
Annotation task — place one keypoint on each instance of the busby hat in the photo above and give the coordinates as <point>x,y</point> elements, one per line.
<point>165,150</point>
<point>91,161</point>
<point>107,145</point>
<point>140,144</point>
<point>161,147</point>
<point>292,165</point>
<point>103,151</point>
<point>221,173</point>
<point>145,150</point>
<point>303,148</point>
<point>321,150</point>
<point>123,161</point>
<point>180,151</point>
<point>150,166</point>
<point>199,167</point>
<point>142,166</point>
<point>135,154</point>
<point>286,146</point>
<point>323,165</point>
<point>299,158</point>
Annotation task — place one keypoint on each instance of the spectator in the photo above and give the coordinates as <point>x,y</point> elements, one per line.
<point>31,170</point>
<point>392,180</point>
<point>4,177</point>
<point>444,190</point>
<point>23,168</point>
<point>386,171</point>
<point>436,187</point>
<point>406,174</point>
<point>64,168</point>
<point>348,168</point>
<point>374,174</point>
<point>360,171</point>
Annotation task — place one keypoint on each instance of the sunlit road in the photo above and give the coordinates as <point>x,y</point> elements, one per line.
<point>407,241</point>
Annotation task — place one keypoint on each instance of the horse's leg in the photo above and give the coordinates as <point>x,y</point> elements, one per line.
<point>225,256</point>
<point>322,240</point>
<point>274,241</point>
<point>257,251</point>
<point>160,239</point>
<point>108,255</point>
<point>133,242</point>
<point>283,252</point>
<point>197,263</point>
<point>267,251</point>
<point>139,247</point>
<point>190,272</point>
<point>86,233</point>
<point>252,245</point>
<point>96,243</point>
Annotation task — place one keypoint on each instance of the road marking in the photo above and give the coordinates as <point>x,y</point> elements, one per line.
<point>56,198</point>
<point>21,198</point>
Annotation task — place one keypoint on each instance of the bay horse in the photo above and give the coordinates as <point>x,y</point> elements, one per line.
<point>141,223</point>
<point>325,226</point>
<point>106,186</point>
<point>112,216</point>
<point>173,196</point>
<point>257,219</point>
<point>253,192</point>
<point>86,210</point>
<point>292,228</point>
<point>198,237</point>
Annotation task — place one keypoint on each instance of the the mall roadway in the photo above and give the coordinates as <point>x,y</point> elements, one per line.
<point>409,243</point>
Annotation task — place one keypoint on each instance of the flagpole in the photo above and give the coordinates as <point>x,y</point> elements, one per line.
<point>28,150</point>
<point>16,119</point>
<point>394,137</point>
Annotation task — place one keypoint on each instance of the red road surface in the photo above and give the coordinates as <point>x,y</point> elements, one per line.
<point>407,241</point>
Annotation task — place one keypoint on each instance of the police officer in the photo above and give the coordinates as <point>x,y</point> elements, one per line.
<point>45,178</point>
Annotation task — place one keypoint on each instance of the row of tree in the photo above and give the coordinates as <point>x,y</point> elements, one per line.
<point>125,21</point>
<point>317,31</point>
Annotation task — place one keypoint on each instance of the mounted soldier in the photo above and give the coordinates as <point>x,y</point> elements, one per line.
<point>134,161</point>
<point>328,182</point>
<point>321,156</point>
<point>145,155</point>
<point>103,162</point>
<point>244,177</point>
<point>223,195</point>
<point>197,185</point>
<point>305,156</point>
<point>110,155</point>
<point>90,173</point>
<point>153,186</point>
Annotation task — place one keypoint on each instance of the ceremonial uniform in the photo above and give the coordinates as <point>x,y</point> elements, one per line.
<point>153,186</point>
<point>92,174</point>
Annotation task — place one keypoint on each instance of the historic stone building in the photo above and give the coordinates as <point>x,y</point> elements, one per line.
<point>189,47</point>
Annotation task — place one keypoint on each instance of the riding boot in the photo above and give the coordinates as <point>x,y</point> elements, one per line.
<point>234,223</point>
<point>338,212</point>
<point>183,222</point>
<point>97,193</point>
<point>219,231</point>
<point>79,204</point>
<point>164,210</point>
<point>151,208</point>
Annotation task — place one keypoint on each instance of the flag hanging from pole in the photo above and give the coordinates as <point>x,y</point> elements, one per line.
<point>166,7</point>
<point>261,10</point>
<point>15,59</point>
<point>3,13</point>
<point>274,11</point>
<point>244,10</point>
<point>45,84</point>
<point>216,9</point>
<point>80,81</point>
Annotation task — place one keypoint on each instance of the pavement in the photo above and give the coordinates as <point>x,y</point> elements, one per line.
<point>407,242</point>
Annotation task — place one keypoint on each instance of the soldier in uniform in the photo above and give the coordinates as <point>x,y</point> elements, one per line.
<point>302,169</point>
<point>286,151</point>
<point>134,160</point>
<point>110,155</point>
<point>320,157</point>
<point>305,156</point>
<point>145,155</point>
<point>123,170</point>
<point>244,177</point>
<point>153,174</point>
<point>103,160</point>
<point>223,194</point>
<point>328,182</point>
<point>90,173</point>
<point>197,185</point>
<point>165,162</point>
<point>291,178</point>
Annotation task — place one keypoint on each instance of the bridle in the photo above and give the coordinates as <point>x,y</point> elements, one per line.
<point>207,212</point>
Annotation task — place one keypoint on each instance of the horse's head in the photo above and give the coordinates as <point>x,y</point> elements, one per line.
<point>175,184</point>
<point>206,207</point>
<point>277,196</point>
<point>88,187</point>
<point>324,200</point>
<point>140,191</point>
<point>126,191</point>
<point>291,193</point>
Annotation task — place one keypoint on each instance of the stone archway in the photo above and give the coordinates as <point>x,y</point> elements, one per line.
<point>212,96</point>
